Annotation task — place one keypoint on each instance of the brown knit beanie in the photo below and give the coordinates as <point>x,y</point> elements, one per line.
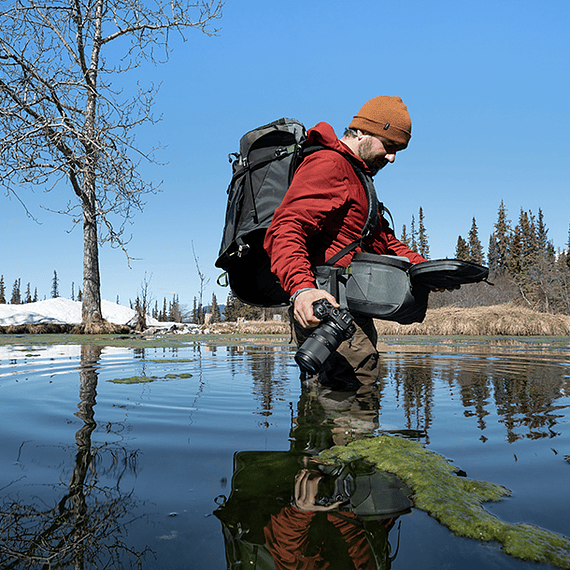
<point>385,117</point>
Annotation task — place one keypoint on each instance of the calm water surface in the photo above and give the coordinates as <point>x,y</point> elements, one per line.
<point>118,458</point>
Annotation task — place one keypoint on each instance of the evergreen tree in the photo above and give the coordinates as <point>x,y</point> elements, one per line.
<point>413,236</point>
<point>502,236</point>
<point>197,313</point>
<point>492,254</point>
<point>79,295</point>
<point>16,297</point>
<point>462,249</point>
<point>73,291</point>
<point>28,297</point>
<point>545,246</point>
<point>174,313</point>
<point>55,286</point>
<point>405,239</point>
<point>528,240</point>
<point>230,312</point>
<point>35,299</point>
<point>514,263</point>
<point>215,310</point>
<point>423,247</point>
<point>2,291</point>
<point>475,247</point>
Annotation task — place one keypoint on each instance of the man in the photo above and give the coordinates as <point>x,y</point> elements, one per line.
<point>325,210</point>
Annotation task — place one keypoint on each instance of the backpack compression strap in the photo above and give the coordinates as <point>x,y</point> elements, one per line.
<point>375,208</point>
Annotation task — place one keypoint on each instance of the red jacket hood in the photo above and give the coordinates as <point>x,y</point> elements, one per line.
<point>323,134</point>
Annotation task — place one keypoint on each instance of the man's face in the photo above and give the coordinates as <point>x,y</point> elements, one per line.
<point>376,152</point>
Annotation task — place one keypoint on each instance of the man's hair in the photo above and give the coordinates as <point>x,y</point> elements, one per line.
<point>350,133</point>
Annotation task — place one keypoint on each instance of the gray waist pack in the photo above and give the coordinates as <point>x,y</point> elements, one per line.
<point>391,288</point>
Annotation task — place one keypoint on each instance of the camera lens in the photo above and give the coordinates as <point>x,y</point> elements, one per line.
<point>318,347</point>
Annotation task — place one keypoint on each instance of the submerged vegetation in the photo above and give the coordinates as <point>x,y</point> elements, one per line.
<point>454,501</point>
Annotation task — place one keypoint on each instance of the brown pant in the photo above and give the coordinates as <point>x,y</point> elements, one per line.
<point>355,361</point>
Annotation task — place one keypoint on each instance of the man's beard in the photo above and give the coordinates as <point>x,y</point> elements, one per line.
<point>374,162</point>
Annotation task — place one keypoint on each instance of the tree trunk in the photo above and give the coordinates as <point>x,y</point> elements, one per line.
<point>91,303</point>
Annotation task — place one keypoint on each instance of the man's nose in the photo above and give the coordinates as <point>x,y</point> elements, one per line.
<point>390,157</point>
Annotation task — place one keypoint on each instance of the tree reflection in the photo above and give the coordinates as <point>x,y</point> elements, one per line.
<point>85,528</point>
<point>521,392</point>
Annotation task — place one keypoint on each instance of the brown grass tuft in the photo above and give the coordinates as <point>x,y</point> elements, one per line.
<point>249,327</point>
<point>497,320</point>
<point>36,328</point>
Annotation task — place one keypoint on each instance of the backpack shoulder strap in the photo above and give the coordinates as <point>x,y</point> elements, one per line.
<point>375,208</point>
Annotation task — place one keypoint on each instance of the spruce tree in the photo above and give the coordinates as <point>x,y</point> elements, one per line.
<point>462,249</point>
<point>16,297</point>
<point>423,246</point>
<point>528,240</point>
<point>475,247</point>
<point>413,236</point>
<point>2,291</point>
<point>28,297</point>
<point>492,254</point>
<point>545,246</point>
<point>230,313</point>
<point>405,239</point>
<point>35,299</point>
<point>55,286</point>
<point>503,237</point>
<point>215,310</point>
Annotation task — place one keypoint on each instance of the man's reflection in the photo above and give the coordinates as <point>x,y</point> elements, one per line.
<point>289,511</point>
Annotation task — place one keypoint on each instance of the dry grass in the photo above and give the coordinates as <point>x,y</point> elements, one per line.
<point>83,328</point>
<point>31,328</point>
<point>249,327</point>
<point>497,320</point>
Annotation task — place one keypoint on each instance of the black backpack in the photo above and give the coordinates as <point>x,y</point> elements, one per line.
<point>261,174</point>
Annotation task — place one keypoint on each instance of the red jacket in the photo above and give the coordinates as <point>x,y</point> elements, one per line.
<point>323,211</point>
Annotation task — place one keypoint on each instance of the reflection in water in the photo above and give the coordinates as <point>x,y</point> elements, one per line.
<point>84,528</point>
<point>279,515</point>
<point>284,512</point>
<point>522,392</point>
<point>288,511</point>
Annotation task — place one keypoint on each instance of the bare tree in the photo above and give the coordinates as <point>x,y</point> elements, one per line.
<point>199,315</point>
<point>62,120</point>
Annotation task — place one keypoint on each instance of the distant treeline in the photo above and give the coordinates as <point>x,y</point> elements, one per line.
<point>19,297</point>
<point>524,266</point>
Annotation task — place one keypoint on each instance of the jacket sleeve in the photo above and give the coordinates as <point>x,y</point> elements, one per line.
<point>319,192</point>
<point>286,537</point>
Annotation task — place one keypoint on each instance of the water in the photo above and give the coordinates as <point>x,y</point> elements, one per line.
<point>100,472</point>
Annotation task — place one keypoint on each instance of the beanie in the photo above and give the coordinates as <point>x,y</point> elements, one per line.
<point>385,117</point>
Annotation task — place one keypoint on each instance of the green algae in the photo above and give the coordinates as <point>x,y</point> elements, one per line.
<point>134,380</point>
<point>183,375</point>
<point>147,379</point>
<point>455,502</point>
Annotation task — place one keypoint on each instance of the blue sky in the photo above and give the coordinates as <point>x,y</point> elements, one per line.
<point>487,85</point>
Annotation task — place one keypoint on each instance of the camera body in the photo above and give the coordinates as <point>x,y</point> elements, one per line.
<point>337,325</point>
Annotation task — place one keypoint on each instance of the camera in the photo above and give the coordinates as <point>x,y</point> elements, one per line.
<point>336,326</point>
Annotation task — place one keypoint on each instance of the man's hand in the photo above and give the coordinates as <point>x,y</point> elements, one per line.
<point>303,307</point>
<point>306,488</point>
